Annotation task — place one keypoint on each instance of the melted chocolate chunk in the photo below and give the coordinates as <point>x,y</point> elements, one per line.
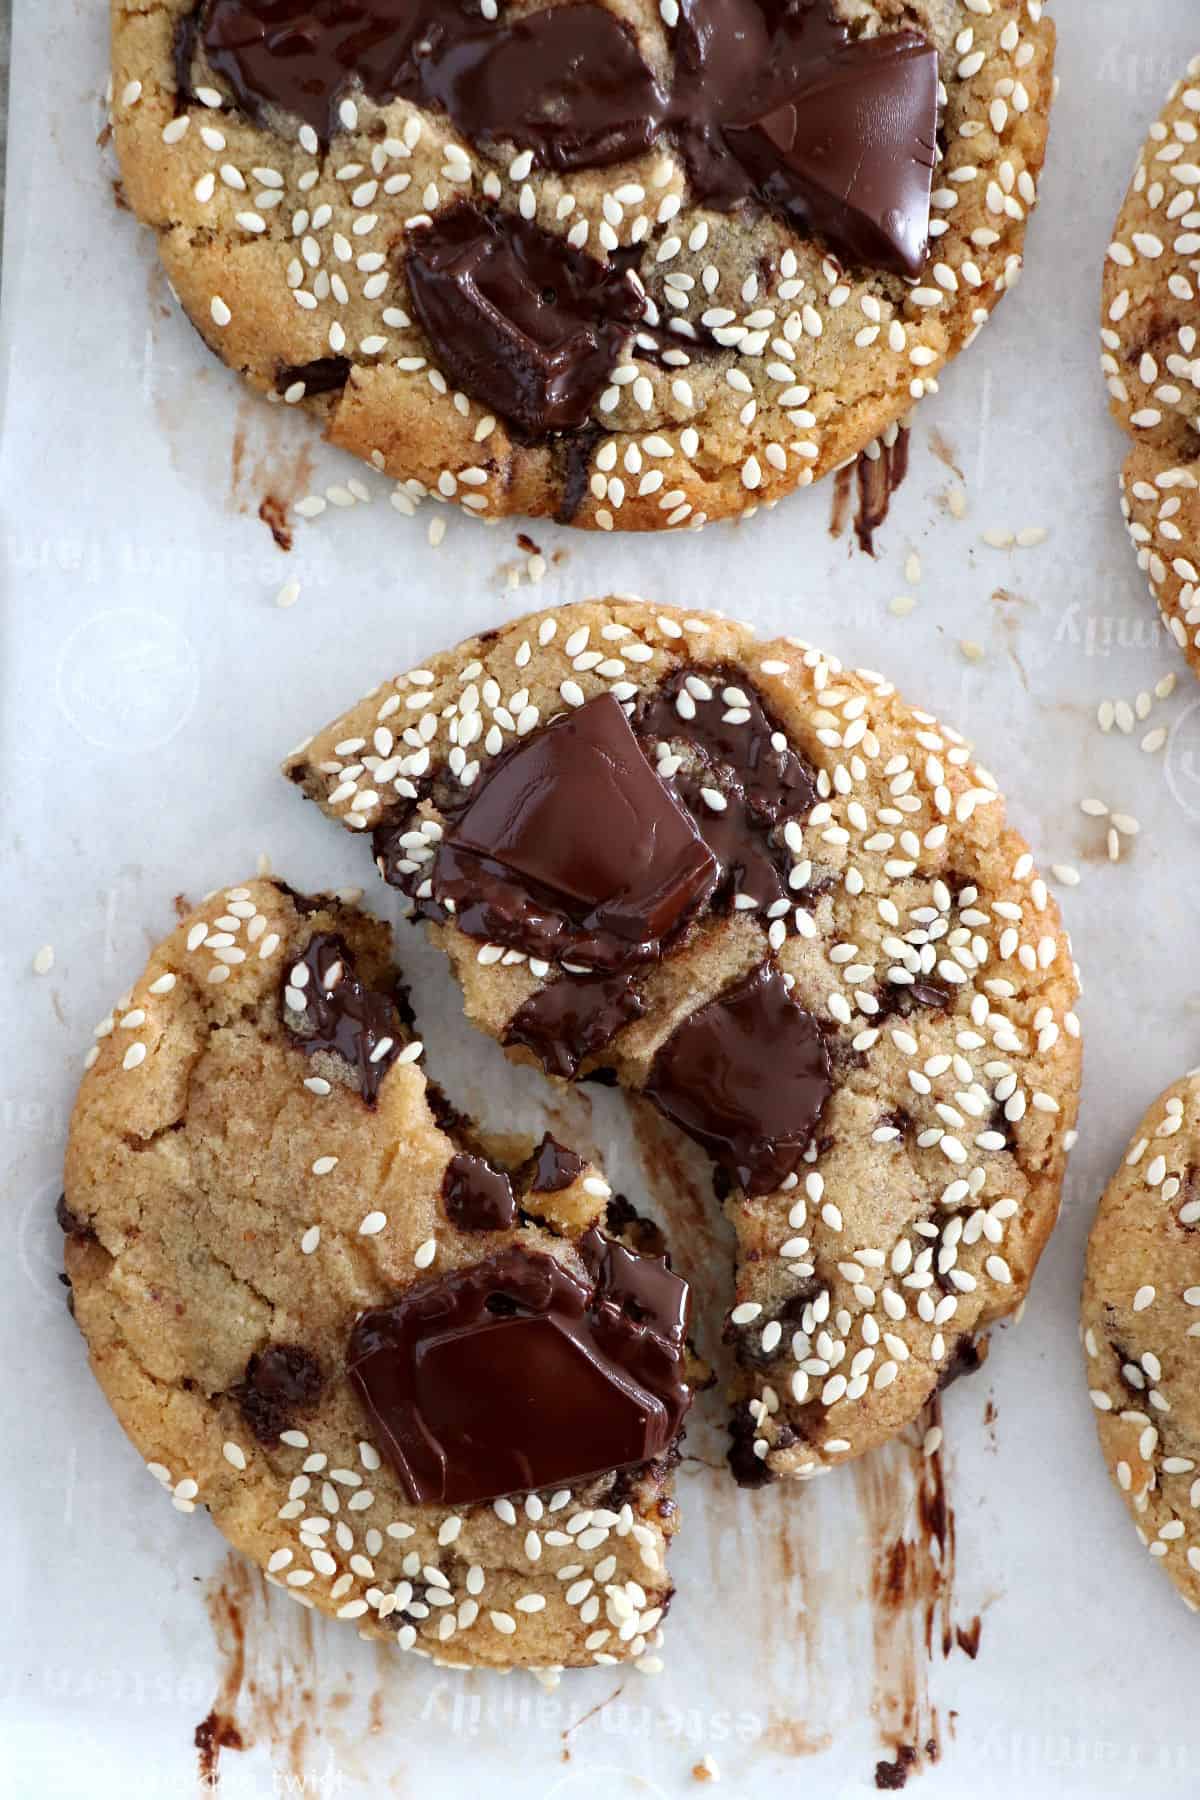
<point>551,1168</point>
<point>749,763</point>
<point>514,1374</point>
<point>476,1196</point>
<point>572,847</point>
<point>519,319</point>
<point>342,1015</point>
<point>747,1076</point>
<point>280,1381</point>
<point>327,375</point>
<point>772,100</point>
<point>747,1469</point>
<point>572,1018</point>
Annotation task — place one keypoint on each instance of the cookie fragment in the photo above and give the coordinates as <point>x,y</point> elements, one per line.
<point>1141,1330</point>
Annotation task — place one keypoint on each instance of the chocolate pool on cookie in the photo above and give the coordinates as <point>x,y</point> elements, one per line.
<point>787,909</point>
<point>628,266</point>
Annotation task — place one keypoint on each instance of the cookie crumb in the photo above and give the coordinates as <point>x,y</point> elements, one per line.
<point>43,960</point>
<point>706,1769</point>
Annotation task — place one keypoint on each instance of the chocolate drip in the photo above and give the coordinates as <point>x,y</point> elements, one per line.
<point>514,1373</point>
<point>747,1076</point>
<point>477,1196</point>
<point>340,1014</point>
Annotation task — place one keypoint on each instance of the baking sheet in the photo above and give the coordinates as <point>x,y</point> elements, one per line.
<point>151,685</point>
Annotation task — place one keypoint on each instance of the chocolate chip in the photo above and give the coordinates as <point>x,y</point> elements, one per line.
<point>747,1076</point>
<point>280,1381</point>
<point>551,1168</point>
<point>327,375</point>
<point>477,1196</point>
<point>514,1374</point>
<point>747,1469</point>
<point>523,322</point>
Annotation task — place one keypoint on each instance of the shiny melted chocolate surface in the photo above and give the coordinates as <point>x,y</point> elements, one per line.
<point>477,1196</point>
<point>514,1373</point>
<point>341,1014</point>
<point>747,1076</point>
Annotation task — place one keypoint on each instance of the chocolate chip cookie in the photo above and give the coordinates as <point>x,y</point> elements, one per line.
<point>626,264</point>
<point>787,908</point>
<point>1141,1331</point>
<point>1149,357</point>
<point>424,1391</point>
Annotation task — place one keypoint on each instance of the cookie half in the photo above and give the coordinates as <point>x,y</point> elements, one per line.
<point>784,906</point>
<point>424,1392</point>
<point>1141,1329</point>
<point>623,264</point>
<point>1150,358</point>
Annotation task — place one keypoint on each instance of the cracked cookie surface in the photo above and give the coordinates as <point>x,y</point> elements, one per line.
<point>241,1186</point>
<point>870,927</point>
<point>1149,358</point>
<point>1141,1331</point>
<point>761,352</point>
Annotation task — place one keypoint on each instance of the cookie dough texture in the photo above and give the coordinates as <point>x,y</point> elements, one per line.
<point>1141,1331</point>
<point>281,257</point>
<point>1149,357</point>
<point>203,1165</point>
<point>934,1179</point>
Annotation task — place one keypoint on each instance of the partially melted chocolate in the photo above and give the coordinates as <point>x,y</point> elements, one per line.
<point>772,100</point>
<point>515,1374</point>
<point>477,1196</point>
<point>572,848</point>
<point>280,1381</point>
<point>527,325</point>
<point>747,1076</point>
<point>342,1015</point>
<point>552,1167</point>
<point>570,1019</point>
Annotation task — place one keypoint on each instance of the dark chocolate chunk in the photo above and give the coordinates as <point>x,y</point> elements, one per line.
<point>749,763</point>
<point>747,1469</point>
<point>342,1015</point>
<point>572,1018</point>
<point>747,1076</point>
<point>514,1374</point>
<point>551,1168</point>
<point>573,848</point>
<point>327,375</point>
<point>519,319</point>
<point>280,1381</point>
<point>476,1196</point>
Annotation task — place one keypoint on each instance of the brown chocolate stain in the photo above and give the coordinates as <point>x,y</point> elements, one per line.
<point>679,1186</point>
<point>267,477</point>
<point>946,454</point>
<point>909,1521</point>
<point>878,478</point>
<point>266,1674</point>
<point>591,1713</point>
<point>843,488</point>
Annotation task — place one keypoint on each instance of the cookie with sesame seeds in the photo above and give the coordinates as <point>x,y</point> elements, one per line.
<point>425,1391</point>
<point>1149,358</point>
<point>1141,1331</point>
<point>763,892</point>
<point>628,264</point>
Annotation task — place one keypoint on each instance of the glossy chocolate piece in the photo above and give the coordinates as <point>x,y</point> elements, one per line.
<point>527,325</point>
<point>570,1019</point>
<point>747,1076</point>
<point>476,1196</point>
<point>326,375</point>
<point>552,1167</point>
<point>573,848</point>
<point>514,1374</point>
<point>362,1026</point>
<point>749,762</point>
